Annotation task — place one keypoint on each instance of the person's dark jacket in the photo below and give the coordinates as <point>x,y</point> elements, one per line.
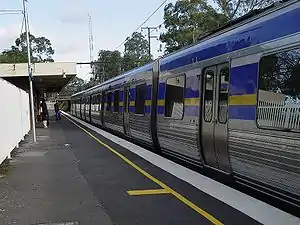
<point>44,110</point>
<point>56,108</point>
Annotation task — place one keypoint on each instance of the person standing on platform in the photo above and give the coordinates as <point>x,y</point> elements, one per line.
<point>45,114</point>
<point>57,111</point>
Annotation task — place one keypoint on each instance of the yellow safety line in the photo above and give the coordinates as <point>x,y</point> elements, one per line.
<point>148,192</point>
<point>164,186</point>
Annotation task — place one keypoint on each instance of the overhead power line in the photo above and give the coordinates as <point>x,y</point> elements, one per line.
<point>11,10</point>
<point>23,23</point>
<point>9,13</point>
<point>145,21</point>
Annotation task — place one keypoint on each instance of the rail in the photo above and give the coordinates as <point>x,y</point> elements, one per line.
<point>276,114</point>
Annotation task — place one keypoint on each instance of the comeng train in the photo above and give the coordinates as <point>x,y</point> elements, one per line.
<point>230,102</point>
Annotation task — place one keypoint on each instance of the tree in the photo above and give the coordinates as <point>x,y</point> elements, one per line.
<point>41,50</point>
<point>236,8</point>
<point>108,65</point>
<point>186,21</point>
<point>13,55</point>
<point>74,86</point>
<point>41,47</point>
<point>136,51</point>
<point>280,73</point>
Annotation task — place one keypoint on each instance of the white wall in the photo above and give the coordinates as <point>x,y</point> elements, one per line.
<point>14,117</point>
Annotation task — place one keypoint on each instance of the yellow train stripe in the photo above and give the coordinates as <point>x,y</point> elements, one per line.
<point>187,102</point>
<point>148,103</point>
<point>121,103</point>
<point>191,101</point>
<point>148,192</point>
<point>161,102</point>
<point>184,200</point>
<point>242,99</point>
<point>132,103</point>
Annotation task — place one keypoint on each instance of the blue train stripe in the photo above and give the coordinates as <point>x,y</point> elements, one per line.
<point>147,109</point>
<point>244,79</point>
<point>190,93</point>
<point>132,94</point>
<point>161,91</point>
<point>121,96</point>
<point>249,36</point>
<point>131,109</point>
<point>148,92</point>
<point>160,110</point>
<point>242,112</point>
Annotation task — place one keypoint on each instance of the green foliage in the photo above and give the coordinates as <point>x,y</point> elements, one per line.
<point>41,50</point>
<point>186,21</point>
<point>111,63</point>
<point>41,47</point>
<point>136,52</point>
<point>108,65</point>
<point>236,8</point>
<point>75,85</point>
<point>13,55</point>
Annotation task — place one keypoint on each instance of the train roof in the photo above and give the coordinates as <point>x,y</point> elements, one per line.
<point>120,77</point>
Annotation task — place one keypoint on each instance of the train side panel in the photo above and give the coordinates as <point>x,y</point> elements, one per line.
<point>264,116</point>
<point>96,105</point>
<point>139,116</point>
<point>178,114</point>
<point>113,113</point>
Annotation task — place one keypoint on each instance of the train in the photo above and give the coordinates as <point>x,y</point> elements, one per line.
<point>229,103</point>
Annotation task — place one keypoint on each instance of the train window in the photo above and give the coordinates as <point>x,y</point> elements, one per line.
<point>174,99</point>
<point>208,96</point>
<point>108,101</point>
<point>116,101</point>
<point>278,104</point>
<point>140,97</point>
<point>223,93</point>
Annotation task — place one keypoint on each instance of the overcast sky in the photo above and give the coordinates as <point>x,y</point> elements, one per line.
<point>65,23</point>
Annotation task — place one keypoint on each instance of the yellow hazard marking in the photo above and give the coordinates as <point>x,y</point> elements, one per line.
<point>155,180</point>
<point>148,192</point>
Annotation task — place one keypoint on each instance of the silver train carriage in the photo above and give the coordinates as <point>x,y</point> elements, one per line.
<point>230,102</point>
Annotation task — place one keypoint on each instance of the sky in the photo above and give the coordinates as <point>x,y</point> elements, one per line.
<point>65,23</point>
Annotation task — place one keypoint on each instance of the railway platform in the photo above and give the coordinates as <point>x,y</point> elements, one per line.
<point>79,174</point>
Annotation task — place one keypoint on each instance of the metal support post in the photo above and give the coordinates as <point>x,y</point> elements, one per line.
<point>149,37</point>
<point>29,70</point>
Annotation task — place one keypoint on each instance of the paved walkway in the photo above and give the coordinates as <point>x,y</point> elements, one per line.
<point>45,184</point>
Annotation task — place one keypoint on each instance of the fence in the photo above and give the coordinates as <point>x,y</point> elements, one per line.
<point>14,117</point>
<point>274,114</point>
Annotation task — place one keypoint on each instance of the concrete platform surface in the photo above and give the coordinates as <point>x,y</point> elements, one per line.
<point>76,176</point>
<point>46,186</point>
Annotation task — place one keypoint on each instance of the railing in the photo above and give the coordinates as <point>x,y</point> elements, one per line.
<point>14,117</point>
<point>274,114</point>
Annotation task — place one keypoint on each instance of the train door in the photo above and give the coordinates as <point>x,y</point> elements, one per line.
<point>102,107</point>
<point>84,110</point>
<point>215,116</point>
<point>126,110</point>
<point>90,107</point>
<point>81,107</point>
